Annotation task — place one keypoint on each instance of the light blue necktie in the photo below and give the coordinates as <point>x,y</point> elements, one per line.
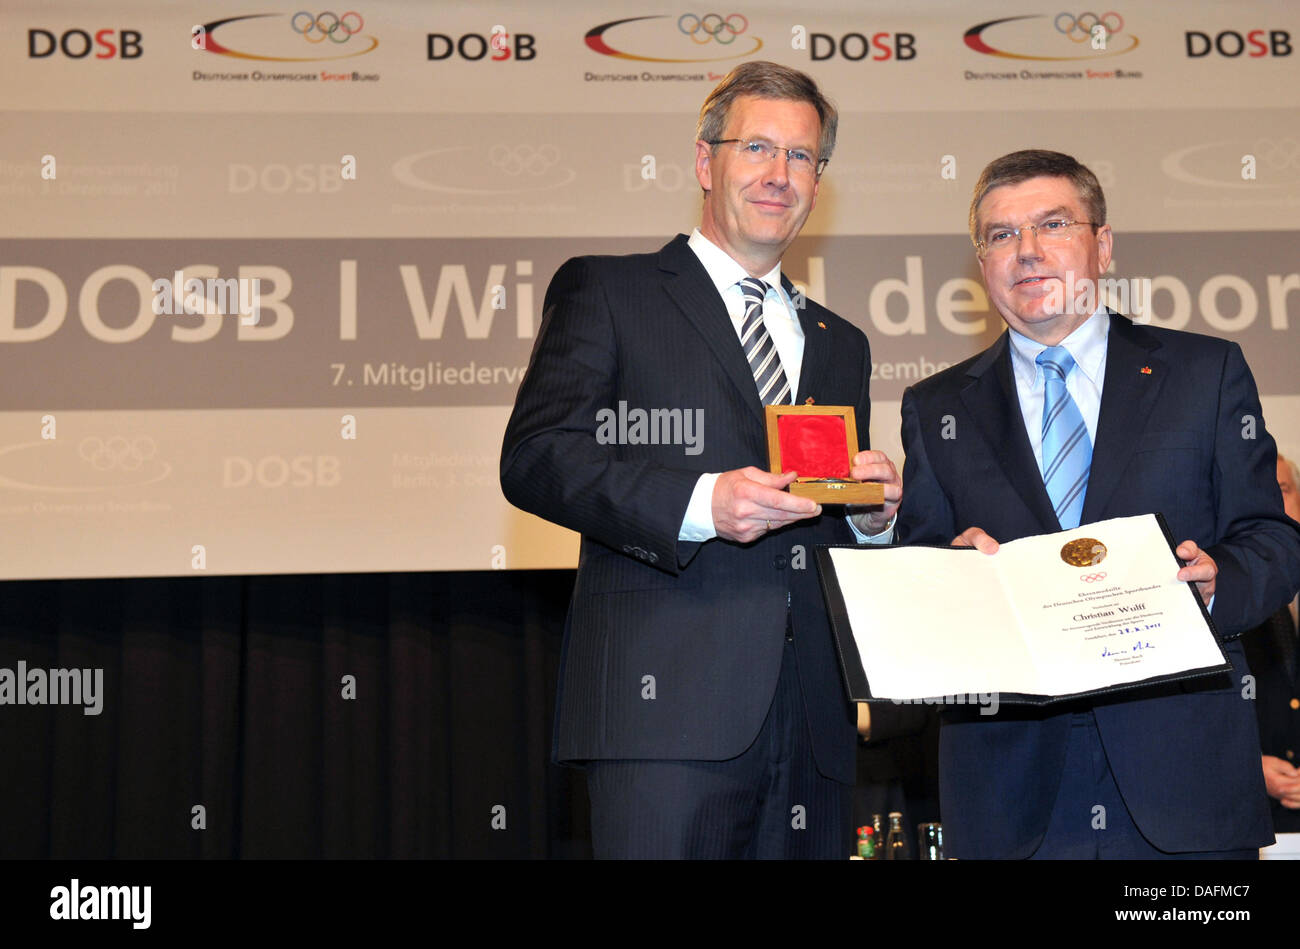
<point>764,362</point>
<point>1067,450</point>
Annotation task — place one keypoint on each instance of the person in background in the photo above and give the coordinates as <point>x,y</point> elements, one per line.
<point>1271,655</point>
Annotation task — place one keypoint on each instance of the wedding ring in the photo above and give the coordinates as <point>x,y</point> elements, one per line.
<point>769,524</point>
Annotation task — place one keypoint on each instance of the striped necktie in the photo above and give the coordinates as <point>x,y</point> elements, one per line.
<point>1067,451</point>
<point>764,362</point>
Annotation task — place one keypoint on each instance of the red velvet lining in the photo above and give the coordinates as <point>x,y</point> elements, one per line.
<point>815,446</point>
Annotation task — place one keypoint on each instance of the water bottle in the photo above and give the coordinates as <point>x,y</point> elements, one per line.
<point>896,844</point>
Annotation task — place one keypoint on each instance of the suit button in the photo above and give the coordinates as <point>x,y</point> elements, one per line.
<point>654,557</point>
<point>1295,703</point>
<point>779,561</point>
<point>627,548</point>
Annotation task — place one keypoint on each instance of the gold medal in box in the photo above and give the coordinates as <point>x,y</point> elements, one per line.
<point>818,442</point>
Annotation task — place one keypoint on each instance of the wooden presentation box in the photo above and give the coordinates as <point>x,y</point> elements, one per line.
<point>818,442</point>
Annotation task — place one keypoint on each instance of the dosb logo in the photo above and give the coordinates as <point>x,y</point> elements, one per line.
<point>476,46</point>
<point>77,44</point>
<point>276,471</point>
<point>854,46</point>
<point>280,179</point>
<point>1232,44</point>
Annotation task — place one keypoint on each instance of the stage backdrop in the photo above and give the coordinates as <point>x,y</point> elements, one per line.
<point>374,200</point>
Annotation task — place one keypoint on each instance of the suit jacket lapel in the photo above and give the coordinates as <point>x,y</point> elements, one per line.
<point>991,398</point>
<point>816,347</point>
<point>688,285</point>
<point>1134,376</point>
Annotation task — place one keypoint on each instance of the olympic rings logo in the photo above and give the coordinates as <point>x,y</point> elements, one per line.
<point>713,26</point>
<point>1085,23</point>
<point>117,452</point>
<point>1093,577</point>
<point>1278,154</point>
<point>515,160</point>
<point>315,29</point>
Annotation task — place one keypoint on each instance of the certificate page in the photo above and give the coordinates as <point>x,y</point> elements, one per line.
<point>911,611</point>
<point>1101,605</point>
<point>1045,617</point>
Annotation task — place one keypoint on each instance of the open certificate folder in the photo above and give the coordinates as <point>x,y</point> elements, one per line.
<point>1085,611</point>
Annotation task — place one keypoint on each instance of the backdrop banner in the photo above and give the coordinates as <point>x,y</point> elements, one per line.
<point>270,276</point>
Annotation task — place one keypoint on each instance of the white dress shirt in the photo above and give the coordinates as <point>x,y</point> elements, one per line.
<point>782,323</point>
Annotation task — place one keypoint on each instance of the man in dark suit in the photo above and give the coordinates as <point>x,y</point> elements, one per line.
<point>1076,415</point>
<point>698,684</point>
<point>1271,653</point>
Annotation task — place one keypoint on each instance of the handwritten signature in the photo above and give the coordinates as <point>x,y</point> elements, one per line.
<point>1138,646</point>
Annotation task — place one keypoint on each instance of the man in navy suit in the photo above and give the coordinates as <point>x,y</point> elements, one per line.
<point>698,684</point>
<point>1075,415</point>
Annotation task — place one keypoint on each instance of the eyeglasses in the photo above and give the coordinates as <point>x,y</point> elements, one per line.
<point>1004,240</point>
<point>801,162</point>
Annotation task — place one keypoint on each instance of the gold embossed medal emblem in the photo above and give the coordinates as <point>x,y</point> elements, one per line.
<point>1084,552</point>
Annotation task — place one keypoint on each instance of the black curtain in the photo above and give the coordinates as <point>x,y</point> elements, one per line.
<point>228,693</point>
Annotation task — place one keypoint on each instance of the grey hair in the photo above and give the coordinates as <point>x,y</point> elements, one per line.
<point>1020,166</point>
<point>766,81</point>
